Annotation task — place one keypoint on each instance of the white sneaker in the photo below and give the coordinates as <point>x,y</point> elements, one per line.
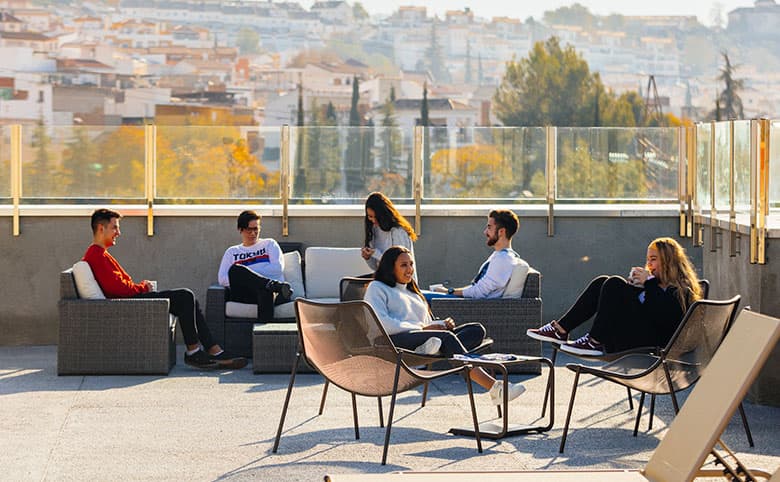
<point>497,392</point>
<point>430,347</point>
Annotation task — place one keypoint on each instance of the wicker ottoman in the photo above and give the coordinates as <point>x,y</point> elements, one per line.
<point>274,346</point>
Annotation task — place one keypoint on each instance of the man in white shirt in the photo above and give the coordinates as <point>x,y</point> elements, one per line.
<point>495,272</point>
<point>254,269</point>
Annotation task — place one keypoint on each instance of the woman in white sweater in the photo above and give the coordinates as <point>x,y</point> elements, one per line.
<point>384,227</point>
<point>405,315</point>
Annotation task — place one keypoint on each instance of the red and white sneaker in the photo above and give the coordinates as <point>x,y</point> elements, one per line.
<point>548,333</point>
<point>585,346</point>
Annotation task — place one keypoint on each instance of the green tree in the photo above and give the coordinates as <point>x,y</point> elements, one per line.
<point>425,121</point>
<point>575,14</point>
<point>729,103</point>
<point>82,167</point>
<point>300,172</point>
<point>359,12</point>
<point>390,136</point>
<point>355,163</point>
<point>552,86</point>
<point>248,41</point>
<point>433,56</point>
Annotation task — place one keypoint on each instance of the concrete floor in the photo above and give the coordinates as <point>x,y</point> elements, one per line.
<point>221,425</point>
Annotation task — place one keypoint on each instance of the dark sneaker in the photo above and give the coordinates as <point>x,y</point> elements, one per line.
<point>585,346</point>
<point>228,361</point>
<point>547,333</point>
<point>200,359</point>
<point>282,287</point>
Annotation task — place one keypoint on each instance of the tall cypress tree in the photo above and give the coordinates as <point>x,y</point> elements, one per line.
<point>300,172</point>
<point>425,122</point>
<point>354,168</point>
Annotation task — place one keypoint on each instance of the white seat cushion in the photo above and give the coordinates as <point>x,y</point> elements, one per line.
<point>326,266</point>
<point>514,289</point>
<point>86,285</point>
<point>234,309</point>
<point>293,273</point>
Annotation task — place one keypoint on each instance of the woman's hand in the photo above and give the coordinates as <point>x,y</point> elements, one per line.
<point>366,252</point>
<point>447,324</point>
<point>638,276</point>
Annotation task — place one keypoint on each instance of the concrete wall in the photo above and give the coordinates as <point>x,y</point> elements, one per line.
<point>186,250</point>
<point>759,286</point>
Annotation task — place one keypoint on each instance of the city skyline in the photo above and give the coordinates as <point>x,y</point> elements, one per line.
<point>490,8</point>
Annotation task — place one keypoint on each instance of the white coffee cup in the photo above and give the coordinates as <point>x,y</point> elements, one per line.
<point>153,285</point>
<point>435,286</point>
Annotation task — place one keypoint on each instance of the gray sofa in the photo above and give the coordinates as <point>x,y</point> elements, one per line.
<point>113,336</point>
<point>505,319</point>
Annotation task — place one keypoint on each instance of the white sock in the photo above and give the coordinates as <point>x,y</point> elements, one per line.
<point>193,351</point>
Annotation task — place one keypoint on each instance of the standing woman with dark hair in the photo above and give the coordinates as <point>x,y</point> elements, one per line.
<point>405,315</point>
<point>384,227</point>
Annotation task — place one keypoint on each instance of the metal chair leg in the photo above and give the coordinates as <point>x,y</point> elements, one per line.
<point>473,411</point>
<point>324,394</point>
<point>568,414</point>
<point>381,417</point>
<point>286,403</point>
<point>424,394</point>
<point>355,416</point>
<point>630,399</point>
<point>652,412</point>
<point>392,408</point>
<point>639,413</point>
<point>745,424</point>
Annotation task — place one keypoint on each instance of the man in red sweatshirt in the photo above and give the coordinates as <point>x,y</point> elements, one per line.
<point>202,352</point>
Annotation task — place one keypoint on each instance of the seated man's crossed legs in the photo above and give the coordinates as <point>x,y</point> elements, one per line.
<point>246,286</point>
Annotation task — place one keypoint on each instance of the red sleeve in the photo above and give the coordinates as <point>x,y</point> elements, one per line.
<point>113,280</point>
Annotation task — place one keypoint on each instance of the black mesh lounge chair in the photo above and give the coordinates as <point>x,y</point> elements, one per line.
<point>676,367</point>
<point>692,436</point>
<point>360,358</point>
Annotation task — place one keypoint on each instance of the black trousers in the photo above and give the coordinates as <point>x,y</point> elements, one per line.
<point>246,286</point>
<point>461,340</point>
<point>191,320</point>
<point>619,320</point>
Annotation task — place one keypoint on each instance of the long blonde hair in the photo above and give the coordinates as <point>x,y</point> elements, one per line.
<point>677,270</point>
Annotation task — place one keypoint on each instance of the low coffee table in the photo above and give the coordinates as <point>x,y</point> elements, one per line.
<point>496,431</point>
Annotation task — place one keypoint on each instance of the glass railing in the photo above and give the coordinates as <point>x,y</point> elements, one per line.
<point>703,143</point>
<point>485,163</point>
<point>741,166</point>
<point>216,163</point>
<point>82,162</point>
<point>338,165</point>
<point>618,164</point>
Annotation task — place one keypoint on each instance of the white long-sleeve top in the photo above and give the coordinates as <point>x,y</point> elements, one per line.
<point>398,309</point>
<point>499,269</point>
<point>382,240</point>
<point>264,258</point>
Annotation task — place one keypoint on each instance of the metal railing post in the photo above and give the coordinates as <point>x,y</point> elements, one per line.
<point>16,174</point>
<point>755,154</point>
<point>284,184</point>
<point>417,173</point>
<point>150,171</point>
<point>551,167</point>
<point>733,232</point>
<point>713,209</point>
<point>682,194</point>
<point>763,190</point>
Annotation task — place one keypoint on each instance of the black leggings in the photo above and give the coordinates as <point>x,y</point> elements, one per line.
<point>184,305</point>
<point>246,286</point>
<point>461,340</point>
<point>619,322</point>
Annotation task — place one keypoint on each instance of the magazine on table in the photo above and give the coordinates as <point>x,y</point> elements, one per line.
<point>487,356</point>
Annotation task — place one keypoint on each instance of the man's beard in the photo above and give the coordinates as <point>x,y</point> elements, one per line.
<point>492,241</point>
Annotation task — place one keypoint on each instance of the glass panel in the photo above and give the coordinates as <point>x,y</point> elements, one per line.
<point>485,163</point>
<point>217,163</point>
<point>703,142</point>
<point>82,162</point>
<point>344,164</point>
<point>5,162</point>
<point>774,167</point>
<point>620,164</point>
<point>742,166</point>
<point>722,167</point>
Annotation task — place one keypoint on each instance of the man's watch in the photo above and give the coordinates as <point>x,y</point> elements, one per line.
<point>450,290</point>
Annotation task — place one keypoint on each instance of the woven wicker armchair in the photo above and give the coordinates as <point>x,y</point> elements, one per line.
<point>113,336</point>
<point>505,319</point>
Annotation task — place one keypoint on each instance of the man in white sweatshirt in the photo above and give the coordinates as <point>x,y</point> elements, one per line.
<point>494,274</point>
<point>254,269</point>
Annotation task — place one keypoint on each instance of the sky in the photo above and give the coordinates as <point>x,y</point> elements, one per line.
<point>526,8</point>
